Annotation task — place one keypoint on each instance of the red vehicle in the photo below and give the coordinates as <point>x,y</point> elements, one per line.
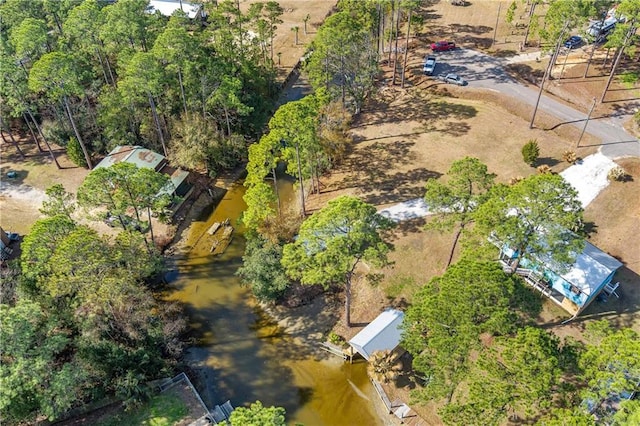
<point>443,46</point>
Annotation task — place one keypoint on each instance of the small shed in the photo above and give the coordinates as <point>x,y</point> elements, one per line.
<point>383,333</point>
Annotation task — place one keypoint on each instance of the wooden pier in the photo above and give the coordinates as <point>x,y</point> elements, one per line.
<point>337,350</point>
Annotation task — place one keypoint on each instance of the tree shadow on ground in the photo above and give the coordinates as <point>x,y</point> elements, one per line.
<point>470,29</point>
<point>429,14</point>
<point>411,226</point>
<point>434,115</point>
<point>477,42</point>
<point>505,53</point>
<point>623,109</point>
<point>547,161</point>
<point>374,171</point>
<point>14,178</point>
<point>524,72</point>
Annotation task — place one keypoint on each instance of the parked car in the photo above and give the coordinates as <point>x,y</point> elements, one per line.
<point>429,65</point>
<point>454,79</point>
<point>117,220</point>
<point>442,46</point>
<point>573,42</point>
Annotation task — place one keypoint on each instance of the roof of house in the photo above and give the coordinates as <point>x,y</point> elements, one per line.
<point>383,333</point>
<point>167,7</point>
<point>141,157</point>
<point>588,273</point>
<point>591,269</point>
<point>177,176</point>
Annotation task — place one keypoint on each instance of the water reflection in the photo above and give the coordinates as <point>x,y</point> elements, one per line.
<point>243,355</point>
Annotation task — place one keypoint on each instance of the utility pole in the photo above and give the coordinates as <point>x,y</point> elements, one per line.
<point>548,72</point>
<point>495,30</point>
<point>304,213</point>
<point>586,122</point>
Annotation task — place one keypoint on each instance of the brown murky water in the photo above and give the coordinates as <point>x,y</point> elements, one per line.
<point>242,354</point>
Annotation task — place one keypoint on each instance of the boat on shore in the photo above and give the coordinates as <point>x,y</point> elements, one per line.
<point>212,230</point>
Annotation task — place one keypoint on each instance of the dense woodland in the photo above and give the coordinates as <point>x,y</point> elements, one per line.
<point>92,75</point>
<point>79,319</point>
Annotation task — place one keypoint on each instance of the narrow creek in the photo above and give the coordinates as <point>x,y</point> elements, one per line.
<point>240,353</point>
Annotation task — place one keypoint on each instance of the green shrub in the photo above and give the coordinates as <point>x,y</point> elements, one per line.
<point>335,339</point>
<point>74,151</point>
<point>531,152</point>
<point>54,132</point>
<point>630,78</point>
<point>261,269</point>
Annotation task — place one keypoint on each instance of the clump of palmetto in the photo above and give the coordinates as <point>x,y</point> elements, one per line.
<point>544,169</point>
<point>515,180</point>
<point>570,156</point>
<point>617,174</point>
<point>384,366</point>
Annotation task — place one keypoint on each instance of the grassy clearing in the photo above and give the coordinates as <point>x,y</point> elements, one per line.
<point>160,410</point>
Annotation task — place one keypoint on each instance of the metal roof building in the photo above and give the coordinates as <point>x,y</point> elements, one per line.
<point>145,158</point>
<point>383,333</point>
<point>575,288</point>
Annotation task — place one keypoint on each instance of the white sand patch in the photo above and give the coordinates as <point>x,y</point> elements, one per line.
<point>589,176</point>
<point>22,192</point>
<point>411,209</point>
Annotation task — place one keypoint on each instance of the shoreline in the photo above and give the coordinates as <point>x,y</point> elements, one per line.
<point>306,325</point>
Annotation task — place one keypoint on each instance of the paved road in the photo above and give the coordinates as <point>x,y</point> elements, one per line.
<point>487,72</point>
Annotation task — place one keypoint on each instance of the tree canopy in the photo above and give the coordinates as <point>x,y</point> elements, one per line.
<point>258,415</point>
<point>447,317</point>
<point>84,324</point>
<point>536,217</point>
<point>333,241</point>
<point>455,201</point>
<point>118,74</point>
<point>514,379</point>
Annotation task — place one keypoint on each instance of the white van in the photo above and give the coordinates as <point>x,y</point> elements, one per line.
<point>600,27</point>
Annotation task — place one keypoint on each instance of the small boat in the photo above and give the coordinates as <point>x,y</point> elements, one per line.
<point>212,230</point>
<point>214,245</point>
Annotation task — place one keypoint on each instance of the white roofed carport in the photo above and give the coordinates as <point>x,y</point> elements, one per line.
<point>383,333</point>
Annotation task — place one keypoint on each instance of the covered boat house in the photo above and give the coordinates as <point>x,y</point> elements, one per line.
<point>383,333</point>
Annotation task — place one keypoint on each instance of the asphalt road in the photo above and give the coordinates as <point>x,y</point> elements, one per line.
<point>484,71</point>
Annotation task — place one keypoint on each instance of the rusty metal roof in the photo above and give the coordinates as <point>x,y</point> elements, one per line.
<point>141,157</point>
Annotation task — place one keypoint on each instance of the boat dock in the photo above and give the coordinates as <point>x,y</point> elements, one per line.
<point>220,241</point>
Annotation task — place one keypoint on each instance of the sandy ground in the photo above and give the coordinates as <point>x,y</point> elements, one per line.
<point>589,176</point>
<point>405,137</point>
